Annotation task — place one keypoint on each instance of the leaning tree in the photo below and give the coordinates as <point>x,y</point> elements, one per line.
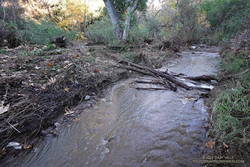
<point>121,13</point>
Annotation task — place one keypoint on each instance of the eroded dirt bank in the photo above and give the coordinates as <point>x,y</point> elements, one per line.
<point>131,127</point>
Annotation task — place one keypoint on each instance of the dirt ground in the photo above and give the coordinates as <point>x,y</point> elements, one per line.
<point>40,83</point>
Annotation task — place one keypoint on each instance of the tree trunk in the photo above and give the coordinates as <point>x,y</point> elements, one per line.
<point>114,17</point>
<point>130,12</point>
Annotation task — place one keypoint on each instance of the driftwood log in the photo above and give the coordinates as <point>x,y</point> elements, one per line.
<point>168,80</point>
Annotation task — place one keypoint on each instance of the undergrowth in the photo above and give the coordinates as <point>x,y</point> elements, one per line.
<point>44,32</point>
<point>231,109</point>
<point>102,31</point>
<point>226,17</point>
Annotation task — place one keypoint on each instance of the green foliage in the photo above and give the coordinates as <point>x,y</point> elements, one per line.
<point>152,26</point>
<point>44,32</point>
<point>50,47</point>
<point>25,53</point>
<point>213,38</point>
<point>3,51</point>
<point>39,52</point>
<point>130,56</point>
<point>227,16</point>
<point>122,5</point>
<point>137,34</point>
<point>235,62</point>
<point>231,108</point>
<point>232,113</point>
<point>101,32</point>
<point>185,26</point>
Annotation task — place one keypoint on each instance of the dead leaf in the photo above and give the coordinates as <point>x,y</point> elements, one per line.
<point>96,70</point>
<point>54,133</point>
<point>76,57</point>
<point>225,145</point>
<point>52,81</point>
<point>68,111</point>
<point>50,64</point>
<point>27,146</point>
<point>76,119</point>
<point>210,144</point>
<point>66,89</point>
<point>3,151</point>
<point>37,67</point>
<point>3,108</point>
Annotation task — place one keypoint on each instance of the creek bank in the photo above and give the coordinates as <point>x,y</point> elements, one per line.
<point>40,83</point>
<point>229,109</point>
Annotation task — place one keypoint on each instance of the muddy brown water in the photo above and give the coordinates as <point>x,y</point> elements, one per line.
<point>134,128</point>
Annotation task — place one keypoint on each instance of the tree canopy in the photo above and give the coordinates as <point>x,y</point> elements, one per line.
<point>117,8</point>
<point>122,5</point>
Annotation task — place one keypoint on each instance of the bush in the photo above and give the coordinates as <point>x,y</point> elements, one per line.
<point>137,34</point>
<point>152,26</point>
<point>232,115</point>
<point>213,38</point>
<point>235,62</point>
<point>227,16</point>
<point>9,35</point>
<point>30,31</point>
<point>186,23</point>
<point>132,57</point>
<point>44,32</point>
<point>101,32</point>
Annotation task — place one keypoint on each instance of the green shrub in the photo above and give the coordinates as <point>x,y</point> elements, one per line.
<point>235,62</point>
<point>238,64</point>
<point>213,38</point>
<point>186,24</point>
<point>152,27</point>
<point>231,110</point>
<point>101,32</point>
<point>130,56</point>
<point>146,29</point>
<point>137,34</point>
<point>227,16</point>
<point>3,51</point>
<point>43,33</point>
<point>231,114</point>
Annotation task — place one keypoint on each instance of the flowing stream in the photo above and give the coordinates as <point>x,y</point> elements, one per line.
<point>134,128</point>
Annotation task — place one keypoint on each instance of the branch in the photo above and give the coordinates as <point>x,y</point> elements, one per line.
<point>133,8</point>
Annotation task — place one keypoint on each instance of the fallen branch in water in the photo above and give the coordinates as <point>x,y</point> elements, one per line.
<point>166,79</point>
<point>151,72</point>
<point>139,88</point>
<point>161,82</point>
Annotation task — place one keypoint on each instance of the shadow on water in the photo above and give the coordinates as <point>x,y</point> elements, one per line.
<point>135,128</point>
